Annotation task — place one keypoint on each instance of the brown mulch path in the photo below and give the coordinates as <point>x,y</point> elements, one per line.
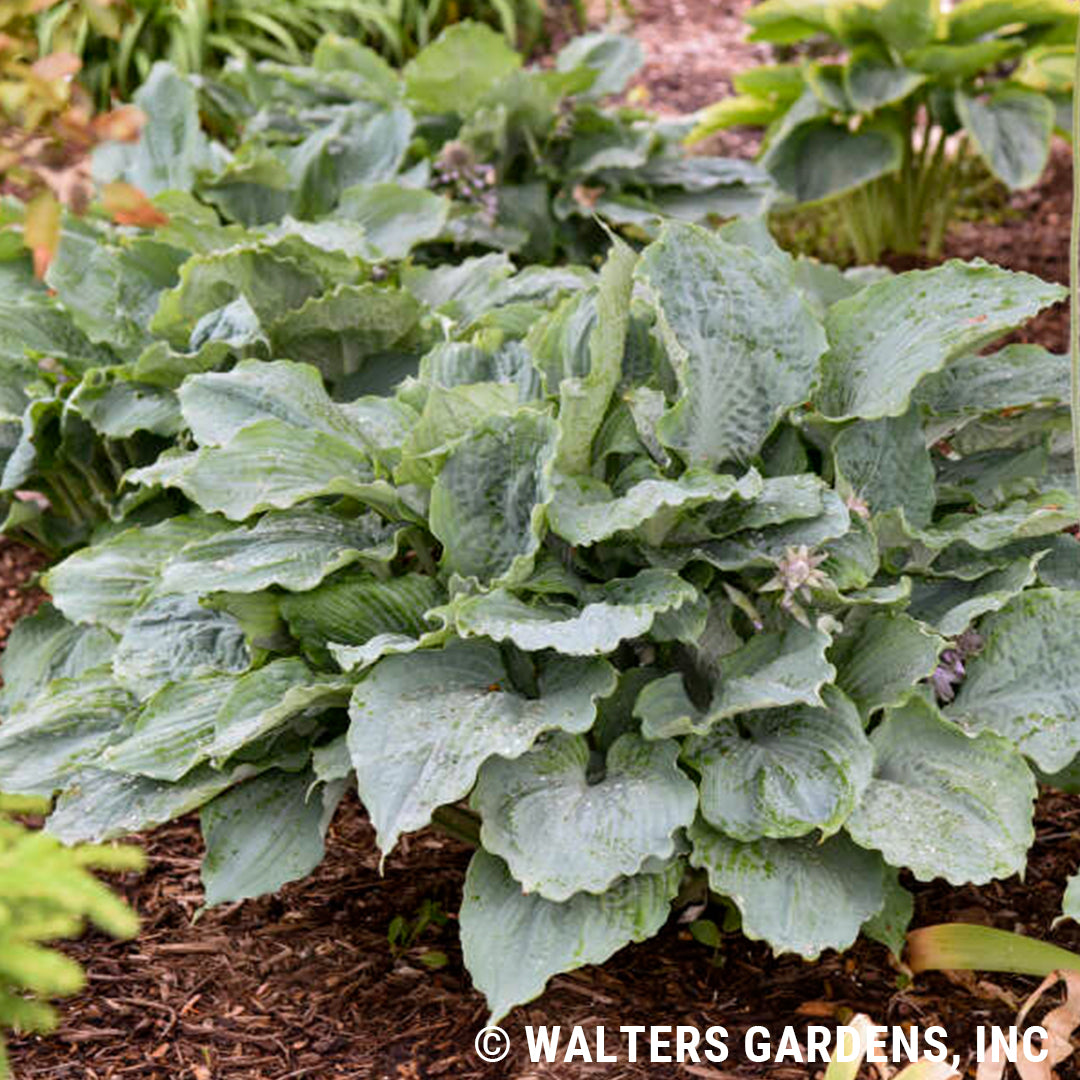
<point>18,597</point>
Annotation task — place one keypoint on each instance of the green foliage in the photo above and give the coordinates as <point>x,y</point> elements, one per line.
<point>715,563</point>
<point>47,892</point>
<point>886,128</point>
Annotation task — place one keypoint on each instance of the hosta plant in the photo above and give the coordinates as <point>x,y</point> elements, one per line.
<point>47,892</point>
<point>911,95</point>
<point>725,567</point>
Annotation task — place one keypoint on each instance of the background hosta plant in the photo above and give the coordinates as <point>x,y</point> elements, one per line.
<point>715,563</point>
<point>47,892</point>
<point>888,126</point>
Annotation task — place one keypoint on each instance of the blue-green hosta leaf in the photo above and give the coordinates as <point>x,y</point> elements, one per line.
<point>885,463</point>
<point>993,477</point>
<point>1011,128</point>
<point>988,382</point>
<point>882,656</point>
<point>172,731</point>
<point>1022,685</point>
<point>264,833</point>
<point>458,69</point>
<point>394,218</point>
<point>458,363</point>
<point>453,709</point>
<point>514,943</point>
<point>358,612</point>
<point>173,638</point>
<point>50,738</point>
<point>615,58</point>
<point>743,342</point>
<point>268,465</point>
<point>890,925</point>
<point>595,830</point>
<point>1021,519</point>
<point>172,147</point>
<point>487,505</point>
<point>951,605</point>
<point>264,700</point>
<point>106,583</point>
<point>463,290</point>
<point>583,401</point>
<point>294,549</point>
<point>117,406</point>
<point>584,511</point>
<point>944,804</point>
<point>783,772</point>
<point>1060,566</point>
<point>100,805</point>
<point>623,608</point>
<point>45,646</point>
<point>771,670</point>
<point>801,896</point>
<point>921,320</point>
<point>332,761</point>
<point>340,330</point>
<point>217,405</point>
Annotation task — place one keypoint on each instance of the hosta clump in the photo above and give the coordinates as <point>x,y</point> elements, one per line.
<point>654,583</point>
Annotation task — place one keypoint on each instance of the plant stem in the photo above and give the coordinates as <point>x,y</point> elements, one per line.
<point>1074,268</point>
<point>457,822</point>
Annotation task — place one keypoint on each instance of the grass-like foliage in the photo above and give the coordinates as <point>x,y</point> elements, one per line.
<point>887,125</point>
<point>714,563</point>
<point>47,892</point>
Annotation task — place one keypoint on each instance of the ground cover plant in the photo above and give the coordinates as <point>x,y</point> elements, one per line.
<point>888,126</point>
<point>712,563</point>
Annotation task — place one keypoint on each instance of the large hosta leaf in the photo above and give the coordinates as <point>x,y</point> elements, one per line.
<point>173,638</point>
<point>394,218</point>
<point>263,834</point>
<point>514,943</point>
<point>1023,685</point>
<point>771,670</point>
<point>596,828</point>
<point>487,505</point>
<point>1012,129</point>
<point>623,608</point>
<point>743,342</point>
<point>882,656</point>
<point>800,896</point>
<point>921,320</point>
<point>453,709</point>
<point>294,549</point>
<point>584,510</point>
<point>944,804</point>
<point>783,772</point>
<point>48,740</point>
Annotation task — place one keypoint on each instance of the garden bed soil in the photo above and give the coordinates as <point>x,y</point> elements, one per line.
<point>305,984</point>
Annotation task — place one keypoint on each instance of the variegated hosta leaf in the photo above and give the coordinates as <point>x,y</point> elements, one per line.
<point>801,896</point>
<point>264,700</point>
<point>174,638</point>
<point>944,804</point>
<point>268,465</point>
<point>99,805</point>
<point>294,549</point>
<point>45,646</point>
<point>172,732</point>
<point>265,833</point>
<point>217,405</point>
<point>624,608</point>
<point>452,709</point>
<point>885,463</point>
<point>52,737</point>
<point>783,772</point>
<point>599,821</point>
<point>513,943</point>
<point>742,339</point>
<point>584,511</point>
<point>882,656</point>
<point>356,612</point>
<point>786,667</point>
<point>951,605</point>
<point>1023,682</point>
<point>107,582</point>
<point>920,320</point>
<point>487,505</point>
